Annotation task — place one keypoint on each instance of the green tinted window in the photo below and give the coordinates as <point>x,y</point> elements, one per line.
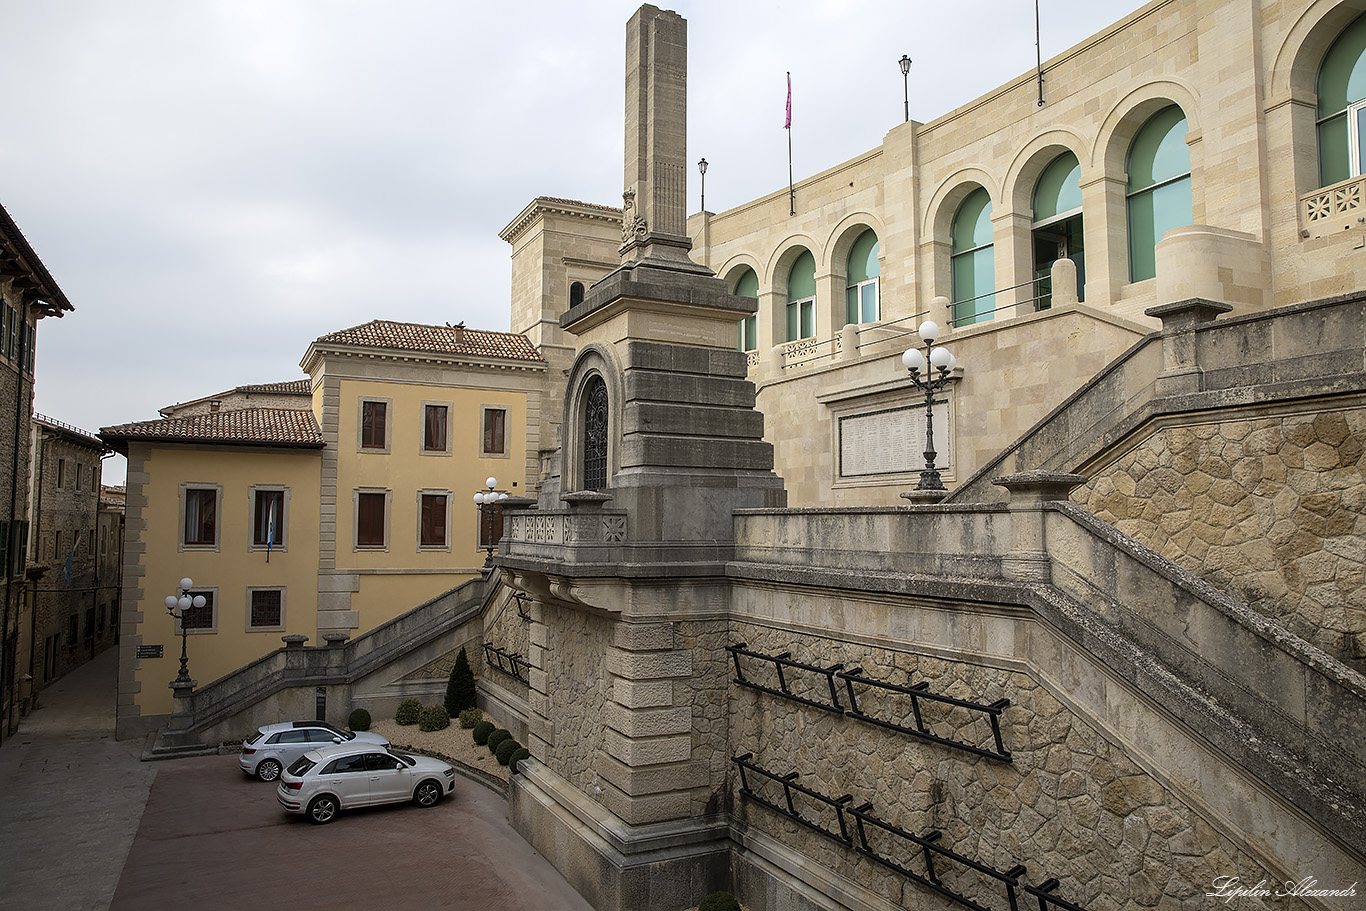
<point>748,285</point>
<point>972,223</point>
<point>863,263</point>
<point>1159,151</point>
<point>801,280</point>
<point>1342,76</point>
<point>1059,188</point>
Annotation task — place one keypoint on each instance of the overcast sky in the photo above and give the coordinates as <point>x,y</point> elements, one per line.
<point>216,184</point>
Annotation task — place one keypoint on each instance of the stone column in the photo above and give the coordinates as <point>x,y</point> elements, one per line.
<point>1181,373</point>
<point>1029,492</point>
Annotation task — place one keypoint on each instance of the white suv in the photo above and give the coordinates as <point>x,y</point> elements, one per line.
<point>274,746</point>
<point>329,779</point>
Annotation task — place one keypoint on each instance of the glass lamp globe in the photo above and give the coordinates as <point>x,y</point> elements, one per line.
<point>940,358</point>
<point>492,483</point>
<point>200,601</point>
<point>914,360</point>
<point>186,602</point>
<point>171,602</point>
<point>187,582</point>
<point>929,331</point>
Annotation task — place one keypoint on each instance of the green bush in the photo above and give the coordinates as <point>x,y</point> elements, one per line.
<point>498,737</point>
<point>517,757</point>
<point>408,710</point>
<point>719,901</point>
<point>460,688</point>
<point>482,730</point>
<point>434,718</point>
<point>359,720</point>
<point>470,717</point>
<point>506,749</point>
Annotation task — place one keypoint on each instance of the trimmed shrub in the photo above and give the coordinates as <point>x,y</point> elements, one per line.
<point>460,688</point>
<point>506,749</point>
<point>517,757</point>
<point>498,737</point>
<point>359,720</point>
<point>482,730</point>
<point>408,710</point>
<point>470,717</point>
<point>719,901</point>
<point>434,718</point>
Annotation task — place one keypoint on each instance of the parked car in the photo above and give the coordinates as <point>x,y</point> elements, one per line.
<point>337,777</point>
<point>274,746</point>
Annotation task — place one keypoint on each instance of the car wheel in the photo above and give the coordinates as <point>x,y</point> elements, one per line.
<point>322,809</point>
<point>268,770</point>
<point>427,794</point>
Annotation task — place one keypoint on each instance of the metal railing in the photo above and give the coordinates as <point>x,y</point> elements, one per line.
<point>799,801</point>
<point>510,663</point>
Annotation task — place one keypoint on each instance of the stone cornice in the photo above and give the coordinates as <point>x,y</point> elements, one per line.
<point>547,205</point>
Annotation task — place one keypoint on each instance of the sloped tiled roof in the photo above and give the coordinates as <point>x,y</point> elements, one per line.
<point>247,427</point>
<point>292,387</point>
<point>381,333</point>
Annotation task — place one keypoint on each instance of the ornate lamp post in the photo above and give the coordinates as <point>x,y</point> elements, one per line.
<point>905,63</point>
<point>487,501</point>
<point>183,601</point>
<point>702,167</point>
<point>936,359</point>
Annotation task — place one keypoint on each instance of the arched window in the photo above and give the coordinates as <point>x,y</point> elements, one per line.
<point>1342,106</point>
<point>1159,187</point>
<point>575,294</point>
<point>748,286</point>
<point>974,270</point>
<point>801,298</point>
<point>1057,224</point>
<point>861,295</point>
<point>595,434</point>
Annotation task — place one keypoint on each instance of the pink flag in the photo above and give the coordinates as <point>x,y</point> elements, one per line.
<point>788,124</point>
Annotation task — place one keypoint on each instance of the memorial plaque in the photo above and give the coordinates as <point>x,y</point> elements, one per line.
<point>891,441</point>
<point>149,651</point>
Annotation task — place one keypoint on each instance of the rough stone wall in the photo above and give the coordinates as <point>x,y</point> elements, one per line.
<point>1270,508</point>
<point>709,685</point>
<point>505,628</point>
<point>576,649</point>
<point>1071,805</point>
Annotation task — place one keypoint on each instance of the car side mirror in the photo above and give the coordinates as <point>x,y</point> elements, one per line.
<point>336,740</point>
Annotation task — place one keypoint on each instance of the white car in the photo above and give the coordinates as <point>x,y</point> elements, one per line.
<point>333,778</point>
<point>274,746</point>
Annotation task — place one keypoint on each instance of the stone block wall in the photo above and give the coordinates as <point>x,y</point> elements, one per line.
<point>1269,506</point>
<point>1071,805</point>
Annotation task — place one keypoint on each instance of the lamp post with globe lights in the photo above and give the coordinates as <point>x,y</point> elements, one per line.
<point>184,601</point>
<point>933,360</point>
<point>487,501</point>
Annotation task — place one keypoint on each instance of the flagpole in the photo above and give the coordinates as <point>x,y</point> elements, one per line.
<point>791,193</point>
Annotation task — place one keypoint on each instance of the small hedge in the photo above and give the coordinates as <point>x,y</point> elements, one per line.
<point>719,901</point>
<point>498,737</point>
<point>505,750</point>
<point>359,720</point>
<point>482,730</point>
<point>434,718</point>
<point>408,710</point>
<point>470,717</point>
<point>517,757</point>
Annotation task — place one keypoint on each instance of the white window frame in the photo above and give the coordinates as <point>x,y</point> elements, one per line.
<point>1355,110</point>
<point>356,546</point>
<point>282,532</point>
<point>217,544</point>
<point>388,404</point>
<point>247,624</point>
<point>806,306</point>
<point>876,282</point>
<point>433,492</point>
<point>422,430</point>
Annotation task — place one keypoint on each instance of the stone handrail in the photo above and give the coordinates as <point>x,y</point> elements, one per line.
<point>234,693</point>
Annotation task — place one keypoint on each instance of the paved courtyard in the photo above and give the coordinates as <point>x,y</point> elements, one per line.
<point>85,825</point>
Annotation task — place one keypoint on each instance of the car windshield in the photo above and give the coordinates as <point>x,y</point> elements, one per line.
<point>404,757</point>
<point>323,724</point>
<point>301,766</point>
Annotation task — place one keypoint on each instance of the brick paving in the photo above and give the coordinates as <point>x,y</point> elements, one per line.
<point>86,826</point>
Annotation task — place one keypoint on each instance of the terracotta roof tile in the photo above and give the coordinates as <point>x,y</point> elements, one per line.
<point>292,387</point>
<point>249,426</point>
<point>446,339</point>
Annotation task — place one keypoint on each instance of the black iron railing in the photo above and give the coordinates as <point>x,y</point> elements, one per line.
<point>783,665</point>
<point>935,860</point>
<point>510,663</point>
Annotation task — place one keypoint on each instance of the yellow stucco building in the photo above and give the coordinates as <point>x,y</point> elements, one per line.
<point>321,507</point>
